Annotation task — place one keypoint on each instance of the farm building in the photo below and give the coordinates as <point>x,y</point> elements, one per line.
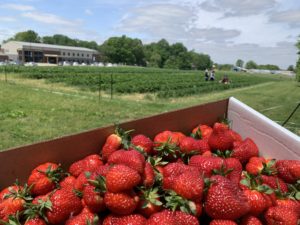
<point>45,53</point>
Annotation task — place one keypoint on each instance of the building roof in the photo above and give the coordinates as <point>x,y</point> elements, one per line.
<point>62,47</point>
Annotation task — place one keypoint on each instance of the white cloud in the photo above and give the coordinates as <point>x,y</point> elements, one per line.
<point>49,18</point>
<point>291,17</point>
<point>7,19</point>
<point>88,12</point>
<point>18,7</point>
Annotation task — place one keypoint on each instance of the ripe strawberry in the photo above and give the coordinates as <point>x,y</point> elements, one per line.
<point>243,151</point>
<point>143,143</point>
<point>189,145</point>
<point>260,165</point>
<point>35,221</point>
<point>235,135</point>
<point>281,215</point>
<point>102,170</point>
<point>93,199</point>
<point>148,175</point>
<point>112,144</point>
<point>289,203</point>
<point>258,201</point>
<point>177,137</point>
<point>44,178</point>
<point>64,203</point>
<point>206,164</point>
<point>122,203</point>
<point>89,163</point>
<point>222,222</point>
<point>121,178</point>
<point>164,217</point>
<point>225,200</point>
<point>220,139</point>
<point>275,183</point>
<point>82,180</point>
<point>288,170</point>
<point>134,219</point>
<point>166,144</point>
<point>67,182</point>
<point>250,220</point>
<point>84,218</point>
<point>9,190</point>
<point>236,167</point>
<point>149,202</point>
<point>189,185</point>
<point>184,218</point>
<point>202,132</point>
<point>131,158</point>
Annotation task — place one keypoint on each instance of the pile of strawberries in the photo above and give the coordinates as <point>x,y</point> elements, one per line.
<point>211,177</point>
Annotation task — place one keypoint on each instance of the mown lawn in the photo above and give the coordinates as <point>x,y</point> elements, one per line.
<point>34,111</point>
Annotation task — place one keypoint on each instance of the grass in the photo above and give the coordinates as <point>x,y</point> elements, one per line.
<point>34,110</point>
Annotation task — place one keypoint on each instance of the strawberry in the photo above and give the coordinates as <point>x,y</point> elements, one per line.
<point>64,203</point>
<point>44,178</point>
<point>281,215</point>
<point>122,203</point>
<point>260,165</point>
<point>250,220</point>
<point>177,137</point>
<point>206,164</point>
<point>236,167</point>
<point>202,132</point>
<point>84,218</point>
<point>164,217</point>
<point>189,185</point>
<point>67,182</point>
<point>134,219</point>
<point>131,158</point>
<point>9,190</point>
<point>220,138</point>
<point>121,178</point>
<point>35,221</point>
<point>149,202</point>
<point>225,200</point>
<point>184,218</point>
<point>166,144</point>
<point>235,135</point>
<point>93,199</point>
<point>190,146</point>
<point>102,170</point>
<point>142,143</point>
<point>114,142</point>
<point>222,222</point>
<point>288,170</point>
<point>148,175</point>
<point>258,201</point>
<point>89,163</point>
<point>289,203</point>
<point>81,180</point>
<point>243,151</point>
<point>275,183</point>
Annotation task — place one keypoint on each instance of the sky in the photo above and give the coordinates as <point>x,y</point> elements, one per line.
<point>261,30</point>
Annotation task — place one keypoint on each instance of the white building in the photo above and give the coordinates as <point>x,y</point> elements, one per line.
<point>45,53</point>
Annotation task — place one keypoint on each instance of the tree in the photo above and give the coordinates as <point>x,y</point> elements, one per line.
<point>291,68</point>
<point>239,63</point>
<point>251,65</point>
<point>27,36</point>
<point>200,61</point>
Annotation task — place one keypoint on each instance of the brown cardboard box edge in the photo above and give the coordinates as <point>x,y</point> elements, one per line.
<point>18,162</point>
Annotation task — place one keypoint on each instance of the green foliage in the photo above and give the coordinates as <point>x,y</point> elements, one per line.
<point>251,65</point>
<point>291,68</point>
<point>27,36</point>
<point>268,67</point>
<point>225,67</point>
<point>239,63</point>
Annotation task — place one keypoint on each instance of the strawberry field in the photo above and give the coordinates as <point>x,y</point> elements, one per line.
<point>126,80</point>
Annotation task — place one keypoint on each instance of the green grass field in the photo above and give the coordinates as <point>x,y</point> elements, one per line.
<point>35,109</point>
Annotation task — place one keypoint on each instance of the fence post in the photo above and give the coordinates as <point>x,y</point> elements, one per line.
<point>111,86</point>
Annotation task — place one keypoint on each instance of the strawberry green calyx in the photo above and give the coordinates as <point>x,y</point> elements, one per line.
<point>269,168</point>
<point>150,195</point>
<point>125,136</point>
<point>167,148</point>
<point>99,183</point>
<point>37,210</point>
<point>253,183</point>
<point>223,154</point>
<point>197,135</point>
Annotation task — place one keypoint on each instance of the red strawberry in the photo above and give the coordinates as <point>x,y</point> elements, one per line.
<point>81,180</point>
<point>143,143</point>
<point>121,178</point>
<point>250,220</point>
<point>35,221</point>
<point>166,144</point>
<point>9,190</point>
<point>206,164</point>
<point>131,158</point>
<point>102,170</point>
<point>44,178</point>
<point>164,217</point>
<point>289,203</point>
<point>275,183</point>
<point>258,201</point>
<point>236,167</point>
<point>123,203</point>
<point>112,144</point>
<point>149,202</point>
<point>93,199</point>
<point>189,185</point>
<point>222,222</point>
<point>186,219</point>
<point>260,165</point>
<point>220,139</point>
<point>202,131</point>
<point>235,135</point>
<point>281,215</point>
<point>177,137</point>
<point>189,145</point>
<point>67,182</point>
<point>84,218</point>
<point>288,170</point>
<point>134,219</point>
<point>243,151</point>
<point>64,203</point>
<point>89,163</point>
<point>225,200</point>
<point>148,175</point>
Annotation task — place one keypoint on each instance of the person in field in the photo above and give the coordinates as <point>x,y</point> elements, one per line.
<point>206,75</point>
<point>212,75</point>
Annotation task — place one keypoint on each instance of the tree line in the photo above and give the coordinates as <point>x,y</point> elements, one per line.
<point>130,51</point>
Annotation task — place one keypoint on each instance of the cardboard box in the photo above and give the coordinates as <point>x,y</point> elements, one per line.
<point>273,140</point>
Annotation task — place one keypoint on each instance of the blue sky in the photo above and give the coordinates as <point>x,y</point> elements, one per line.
<point>261,30</point>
